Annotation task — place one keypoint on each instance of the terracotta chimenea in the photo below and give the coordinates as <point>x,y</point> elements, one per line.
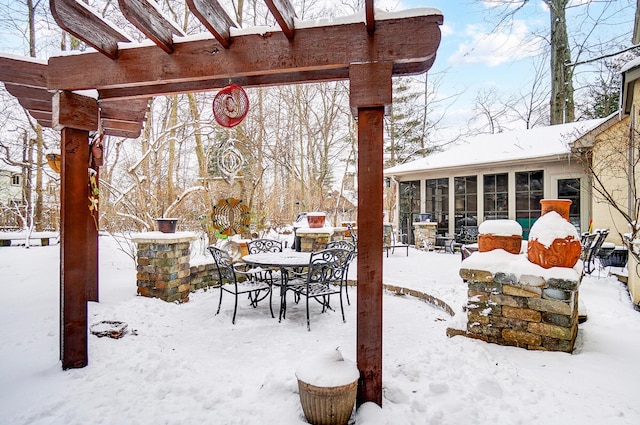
<point>553,240</point>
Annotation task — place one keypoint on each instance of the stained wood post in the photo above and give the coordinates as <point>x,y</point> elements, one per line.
<point>92,250</point>
<point>75,116</point>
<point>370,93</point>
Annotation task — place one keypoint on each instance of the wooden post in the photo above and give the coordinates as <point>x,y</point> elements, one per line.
<point>75,116</point>
<point>370,93</point>
<point>92,251</point>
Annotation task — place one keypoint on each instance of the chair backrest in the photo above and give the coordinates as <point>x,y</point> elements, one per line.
<point>328,266</point>
<point>224,264</point>
<point>602,235</point>
<point>586,239</point>
<point>257,246</point>
<point>343,244</point>
<point>468,234</point>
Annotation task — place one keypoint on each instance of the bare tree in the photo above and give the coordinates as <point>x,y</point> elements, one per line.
<point>613,164</point>
<point>567,44</point>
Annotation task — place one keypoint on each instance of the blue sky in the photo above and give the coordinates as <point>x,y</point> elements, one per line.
<point>477,56</point>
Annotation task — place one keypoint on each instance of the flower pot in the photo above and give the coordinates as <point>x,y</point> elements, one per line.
<point>500,234</point>
<point>553,240</point>
<point>327,384</point>
<point>327,405</point>
<point>167,225</point>
<point>561,253</point>
<point>512,243</point>
<point>316,219</point>
<point>561,206</point>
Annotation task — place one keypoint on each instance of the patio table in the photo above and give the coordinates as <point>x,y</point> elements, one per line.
<point>285,261</point>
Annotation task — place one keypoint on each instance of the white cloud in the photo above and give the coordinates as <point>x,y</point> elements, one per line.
<point>496,48</point>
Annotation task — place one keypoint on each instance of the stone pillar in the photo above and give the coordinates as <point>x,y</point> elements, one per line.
<point>163,265</point>
<point>532,311</point>
<point>312,240</point>
<point>424,234</point>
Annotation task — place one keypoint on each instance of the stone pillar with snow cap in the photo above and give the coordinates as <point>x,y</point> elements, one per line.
<point>513,301</point>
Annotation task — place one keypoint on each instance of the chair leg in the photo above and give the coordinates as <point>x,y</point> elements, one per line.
<point>270,303</point>
<point>308,319</point>
<point>220,300</point>
<point>235,309</point>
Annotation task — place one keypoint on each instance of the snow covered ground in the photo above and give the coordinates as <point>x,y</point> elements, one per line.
<point>185,365</point>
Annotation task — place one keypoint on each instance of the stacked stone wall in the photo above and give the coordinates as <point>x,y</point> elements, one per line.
<point>203,276</point>
<point>314,240</point>
<point>522,311</point>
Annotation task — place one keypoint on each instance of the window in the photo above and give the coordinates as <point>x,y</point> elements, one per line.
<point>466,201</point>
<point>496,196</point>
<point>437,203</point>
<point>409,205</point>
<point>529,192</point>
<point>15,179</point>
<point>570,189</point>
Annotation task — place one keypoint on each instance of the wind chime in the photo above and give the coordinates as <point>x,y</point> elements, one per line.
<point>230,106</point>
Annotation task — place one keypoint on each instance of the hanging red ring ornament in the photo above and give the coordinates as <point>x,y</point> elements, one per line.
<point>230,106</point>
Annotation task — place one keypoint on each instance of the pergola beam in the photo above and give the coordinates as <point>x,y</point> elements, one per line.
<point>23,71</point>
<point>285,14</point>
<point>370,19</point>
<point>151,22</point>
<point>79,20</point>
<point>314,52</point>
<point>213,16</point>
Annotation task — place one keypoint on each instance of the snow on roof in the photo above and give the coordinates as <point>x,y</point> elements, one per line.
<point>492,148</point>
<point>23,58</point>
<point>630,65</point>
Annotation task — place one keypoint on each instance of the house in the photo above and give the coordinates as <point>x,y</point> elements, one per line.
<point>10,184</point>
<point>10,192</point>
<point>612,149</point>
<point>494,176</point>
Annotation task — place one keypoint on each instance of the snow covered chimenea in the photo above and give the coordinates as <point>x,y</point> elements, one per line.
<point>514,301</point>
<point>553,242</point>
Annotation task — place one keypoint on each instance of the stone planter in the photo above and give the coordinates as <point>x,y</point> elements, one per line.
<point>166,225</point>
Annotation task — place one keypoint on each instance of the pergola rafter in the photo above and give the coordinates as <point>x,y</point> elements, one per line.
<point>366,52</point>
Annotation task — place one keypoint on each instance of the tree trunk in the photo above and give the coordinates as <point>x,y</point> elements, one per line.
<point>562,106</point>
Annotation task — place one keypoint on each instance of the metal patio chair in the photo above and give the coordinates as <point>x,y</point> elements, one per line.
<point>325,277</point>
<point>348,245</point>
<point>255,283</point>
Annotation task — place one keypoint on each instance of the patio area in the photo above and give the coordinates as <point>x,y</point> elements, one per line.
<point>182,364</point>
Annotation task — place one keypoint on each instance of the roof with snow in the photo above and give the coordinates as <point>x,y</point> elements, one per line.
<point>535,143</point>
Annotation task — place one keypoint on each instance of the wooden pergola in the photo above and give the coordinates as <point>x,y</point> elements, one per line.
<point>126,75</point>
